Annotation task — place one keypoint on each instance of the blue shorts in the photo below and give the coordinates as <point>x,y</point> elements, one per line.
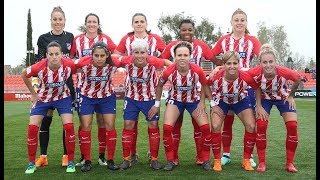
<point>237,107</point>
<point>267,105</point>
<point>131,109</point>
<point>189,106</point>
<point>99,105</point>
<point>252,97</point>
<point>64,106</point>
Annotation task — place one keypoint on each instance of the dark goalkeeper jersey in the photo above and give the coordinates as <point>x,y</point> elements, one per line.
<point>64,39</point>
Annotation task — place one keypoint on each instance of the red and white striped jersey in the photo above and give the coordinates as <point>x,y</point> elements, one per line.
<point>275,88</point>
<point>141,82</point>
<point>231,92</point>
<point>52,83</point>
<point>155,44</point>
<point>247,47</point>
<point>183,87</point>
<point>96,81</point>
<point>200,49</point>
<point>81,45</point>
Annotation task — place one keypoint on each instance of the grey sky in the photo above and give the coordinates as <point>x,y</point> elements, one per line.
<point>298,18</point>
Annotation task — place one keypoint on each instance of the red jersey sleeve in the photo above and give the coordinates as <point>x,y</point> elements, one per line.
<point>156,62</point>
<point>160,44</point>
<point>248,79</point>
<point>287,73</point>
<point>217,49</point>
<point>166,54</point>
<point>73,50</point>
<point>69,62</point>
<point>166,73</point>
<point>33,70</point>
<point>206,51</point>
<point>256,45</point>
<point>122,45</point>
<point>83,61</point>
<point>111,44</point>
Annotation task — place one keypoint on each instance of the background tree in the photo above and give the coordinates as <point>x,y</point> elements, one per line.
<point>169,27</point>
<point>30,49</point>
<point>277,36</point>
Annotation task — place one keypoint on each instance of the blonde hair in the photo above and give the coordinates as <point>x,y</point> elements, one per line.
<point>228,55</point>
<point>239,11</point>
<point>140,45</point>
<point>267,49</point>
<point>58,9</point>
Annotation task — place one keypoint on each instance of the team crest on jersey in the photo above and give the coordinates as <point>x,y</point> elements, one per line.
<point>190,78</point>
<point>68,46</point>
<point>147,70</point>
<point>237,86</point>
<point>243,44</point>
<point>62,74</point>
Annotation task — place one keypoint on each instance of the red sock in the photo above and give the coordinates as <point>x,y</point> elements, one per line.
<point>176,135</point>
<point>111,142</point>
<point>227,133</point>
<point>70,140</point>
<point>127,136</point>
<point>205,142</point>
<point>134,139</point>
<point>216,145</point>
<point>197,138</point>
<point>102,139</point>
<point>32,142</point>
<point>249,140</point>
<point>85,148</point>
<point>292,140</point>
<point>154,141</point>
<point>261,139</point>
<point>168,142</point>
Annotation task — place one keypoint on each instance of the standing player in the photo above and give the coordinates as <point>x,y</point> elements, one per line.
<point>183,94</point>
<point>140,92</point>
<point>53,92</point>
<point>155,46</point>
<point>82,45</point>
<point>273,79</point>
<point>97,95</point>
<point>200,50</point>
<point>247,46</point>
<point>228,89</point>
<point>65,39</point>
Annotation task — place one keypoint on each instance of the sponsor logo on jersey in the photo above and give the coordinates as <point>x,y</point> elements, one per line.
<point>86,52</point>
<point>98,78</point>
<point>242,54</point>
<point>55,84</point>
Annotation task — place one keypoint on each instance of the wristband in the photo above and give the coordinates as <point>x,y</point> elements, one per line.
<point>157,103</point>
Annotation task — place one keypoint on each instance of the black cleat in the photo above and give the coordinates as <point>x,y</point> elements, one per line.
<point>169,166</point>
<point>111,165</point>
<point>87,166</point>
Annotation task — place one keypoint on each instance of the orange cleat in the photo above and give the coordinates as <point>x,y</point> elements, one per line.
<point>64,161</point>
<point>42,161</point>
<point>246,165</point>
<point>290,168</point>
<point>217,165</point>
<point>261,167</point>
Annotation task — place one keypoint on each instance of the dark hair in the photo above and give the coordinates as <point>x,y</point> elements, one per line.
<point>102,45</point>
<point>186,21</point>
<point>54,44</point>
<point>183,44</point>
<point>139,14</point>
<point>92,14</point>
